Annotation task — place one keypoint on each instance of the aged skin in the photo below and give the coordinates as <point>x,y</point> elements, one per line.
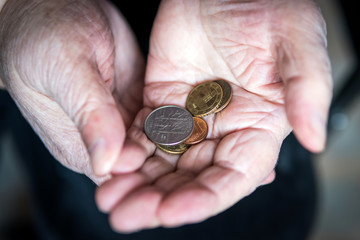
<point>274,55</point>
<point>76,73</point>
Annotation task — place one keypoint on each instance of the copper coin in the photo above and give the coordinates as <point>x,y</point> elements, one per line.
<point>169,125</point>
<point>175,149</point>
<point>199,133</point>
<point>227,95</point>
<point>204,99</point>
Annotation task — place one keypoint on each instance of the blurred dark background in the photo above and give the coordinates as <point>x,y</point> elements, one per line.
<point>332,200</point>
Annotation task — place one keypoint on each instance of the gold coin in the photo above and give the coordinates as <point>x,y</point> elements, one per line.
<point>227,95</point>
<point>199,133</point>
<point>204,99</point>
<point>175,149</point>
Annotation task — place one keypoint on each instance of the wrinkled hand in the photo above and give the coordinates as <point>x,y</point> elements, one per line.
<point>75,72</point>
<point>273,53</point>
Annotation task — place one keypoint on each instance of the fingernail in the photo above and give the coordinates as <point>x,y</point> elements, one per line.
<point>97,153</point>
<point>318,127</point>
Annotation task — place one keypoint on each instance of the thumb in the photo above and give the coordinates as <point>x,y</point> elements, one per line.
<point>89,103</point>
<point>305,69</point>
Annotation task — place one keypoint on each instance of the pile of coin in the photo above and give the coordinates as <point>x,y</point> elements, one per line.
<point>174,129</point>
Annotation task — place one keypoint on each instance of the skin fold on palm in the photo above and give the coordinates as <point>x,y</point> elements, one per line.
<point>273,53</point>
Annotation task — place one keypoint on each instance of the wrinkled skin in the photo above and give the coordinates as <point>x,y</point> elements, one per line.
<point>273,53</point>
<point>76,73</point>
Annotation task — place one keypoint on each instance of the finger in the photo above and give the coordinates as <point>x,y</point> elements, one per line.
<point>129,197</point>
<point>305,69</point>
<point>115,190</point>
<point>269,179</point>
<point>198,157</point>
<point>137,147</point>
<point>121,65</point>
<point>190,164</point>
<point>190,203</point>
<point>90,105</point>
<point>158,169</point>
<point>137,211</point>
<point>239,168</point>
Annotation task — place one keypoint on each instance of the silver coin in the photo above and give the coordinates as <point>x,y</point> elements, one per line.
<point>169,125</point>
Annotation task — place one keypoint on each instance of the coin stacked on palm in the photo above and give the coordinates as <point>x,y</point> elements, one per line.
<point>174,129</point>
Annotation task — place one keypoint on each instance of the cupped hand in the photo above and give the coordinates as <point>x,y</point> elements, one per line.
<point>75,72</point>
<point>273,54</point>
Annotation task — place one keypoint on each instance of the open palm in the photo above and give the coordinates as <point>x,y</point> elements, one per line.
<point>273,54</point>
